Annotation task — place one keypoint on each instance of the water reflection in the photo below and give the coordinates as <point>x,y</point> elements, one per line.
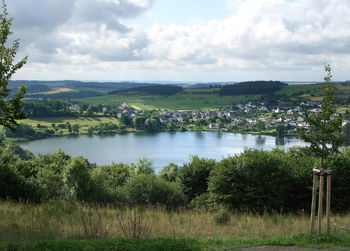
<point>280,141</point>
<point>161,147</point>
<point>219,135</point>
<point>199,134</point>
<point>260,140</point>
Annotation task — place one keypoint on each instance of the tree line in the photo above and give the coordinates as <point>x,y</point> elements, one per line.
<point>251,88</point>
<point>255,180</point>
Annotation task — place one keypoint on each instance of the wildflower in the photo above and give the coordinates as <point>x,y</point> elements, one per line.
<point>208,236</point>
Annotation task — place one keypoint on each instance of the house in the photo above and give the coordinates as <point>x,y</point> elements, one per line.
<point>213,126</point>
<point>74,108</point>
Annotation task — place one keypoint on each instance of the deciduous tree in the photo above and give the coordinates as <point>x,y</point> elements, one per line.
<point>10,109</point>
<point>325,131</point>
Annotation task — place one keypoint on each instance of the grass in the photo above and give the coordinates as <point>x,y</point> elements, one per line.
<point>182,101</point>
<point>206,98</point>
<point>83,122</point>
<point>193,99</point>
<point>340,242</point>
<point>63,224</point>
<point>291,90</point>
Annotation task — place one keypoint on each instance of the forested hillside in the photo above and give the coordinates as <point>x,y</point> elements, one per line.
<point>252,88</point>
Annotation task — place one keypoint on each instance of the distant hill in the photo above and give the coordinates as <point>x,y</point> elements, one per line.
<point>206,85</point>
<point>165,90</point>
<point>109,85</point>
<point>79,89</point>
<point>252,88</point>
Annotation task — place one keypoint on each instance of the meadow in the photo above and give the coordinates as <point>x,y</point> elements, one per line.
<point>64,221</point>
<point>189,99</point>
<point>206,98</point>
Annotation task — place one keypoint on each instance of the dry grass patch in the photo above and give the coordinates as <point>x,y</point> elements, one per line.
<point>69,221</point>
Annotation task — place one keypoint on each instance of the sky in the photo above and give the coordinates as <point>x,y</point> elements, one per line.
<point>182,40</point>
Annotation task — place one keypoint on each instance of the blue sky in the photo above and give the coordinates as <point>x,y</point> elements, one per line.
<point>182,40</point>
<point>183,12</point>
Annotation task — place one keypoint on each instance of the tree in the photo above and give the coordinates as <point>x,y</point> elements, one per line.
<point>75,129</point>
<point>171,126</point>
<point>152,125</point>
<point>346,131</point>
<point>260,125</point>
<point>325,134</point>
<point>125,119</point>
<point>194,176</point>
<point>10,109</point>
<point>280,130</point>
<point>144,166</point>
<point>139,122</point>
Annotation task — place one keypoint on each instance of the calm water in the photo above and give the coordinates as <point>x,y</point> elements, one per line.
<point>162,147</point>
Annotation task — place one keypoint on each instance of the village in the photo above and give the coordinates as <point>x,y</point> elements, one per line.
<point>249,117</point>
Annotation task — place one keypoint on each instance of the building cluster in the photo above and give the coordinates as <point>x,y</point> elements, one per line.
<point>242,116</point>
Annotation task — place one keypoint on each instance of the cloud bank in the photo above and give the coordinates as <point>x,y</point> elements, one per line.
<point>261,39</point>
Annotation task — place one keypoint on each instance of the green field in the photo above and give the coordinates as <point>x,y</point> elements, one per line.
<point>185,100</point>
<point>202,99</point>
<point>83,122</point>
<point>291,90</point>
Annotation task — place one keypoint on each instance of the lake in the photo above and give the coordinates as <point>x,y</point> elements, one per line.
<point>162,147</point>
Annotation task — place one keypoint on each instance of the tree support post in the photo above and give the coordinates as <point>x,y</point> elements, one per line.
<point>321,172</point>
<point>328,202</point>
<point>313,203</point>
<point>320,200</point>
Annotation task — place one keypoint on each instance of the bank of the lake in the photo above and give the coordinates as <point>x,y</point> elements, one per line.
<point>162,147</point>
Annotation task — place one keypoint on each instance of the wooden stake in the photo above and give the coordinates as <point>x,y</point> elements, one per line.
<point>313,204</point>
<point>320,197</point>
<point>328,202</point>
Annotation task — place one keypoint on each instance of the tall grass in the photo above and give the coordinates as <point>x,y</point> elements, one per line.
<point>72,221</point>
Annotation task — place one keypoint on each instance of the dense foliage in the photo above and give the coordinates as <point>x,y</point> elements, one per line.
<point>47,108</point>
<point>252,88</point>
<point>10,109</point>
<point>255,180</point>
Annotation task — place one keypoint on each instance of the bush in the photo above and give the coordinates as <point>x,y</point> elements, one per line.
<point>340,166</point>
<point>255,180</point>
<point>49,173</point>
<point>169,172</point>
<point>150,190</point>
<point>144,166</point>
<point>16,180</point>
<point>194,176</point>
<point>78,180</point>
<point>222,216</point>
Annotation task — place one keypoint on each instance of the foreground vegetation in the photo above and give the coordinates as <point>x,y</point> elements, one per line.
<point>253,181</point>
<point>104,227</point>
<point>337,242</point>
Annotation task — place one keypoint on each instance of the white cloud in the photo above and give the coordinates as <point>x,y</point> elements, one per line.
<point>261,37</point>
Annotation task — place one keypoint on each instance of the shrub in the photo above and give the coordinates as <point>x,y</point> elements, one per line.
<point>144,166</point>
<point>169,172</point>
<point>340,166</point>
<point>16,180</point>
<point>78,180</point>
<point>222,216</point>
<point>194,176</point>
<point>49,173</point>
<point>143,189</point>
<point>255,180</point>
